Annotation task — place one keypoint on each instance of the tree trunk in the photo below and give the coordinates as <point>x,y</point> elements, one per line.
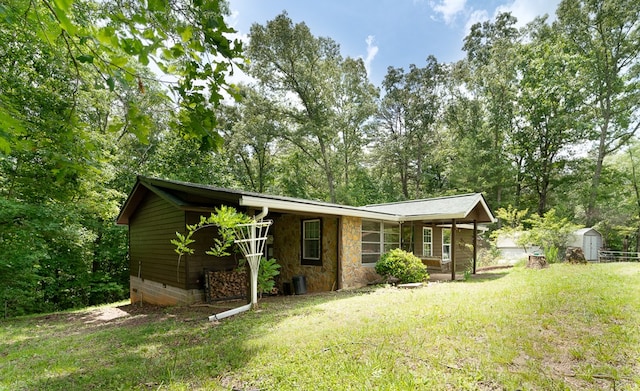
<point>595,181</point>
<point>328,171</point>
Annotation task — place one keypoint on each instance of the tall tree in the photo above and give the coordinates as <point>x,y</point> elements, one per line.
<point>251,128</point>
<point>288,59</point>
<point>491,80</point>
<point>606,35</point>
<point>549,106</point>
<point>354,108</point>
<point>407,133</point>
<point>620,198</point>
<point>304,73</point>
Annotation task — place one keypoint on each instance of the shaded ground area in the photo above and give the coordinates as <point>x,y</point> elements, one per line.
<point>141,313</point>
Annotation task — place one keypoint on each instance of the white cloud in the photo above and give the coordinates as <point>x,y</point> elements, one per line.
<point>477,16</point>
<point>449,9</point>
<point>372,50</point>
<point>525,10</point>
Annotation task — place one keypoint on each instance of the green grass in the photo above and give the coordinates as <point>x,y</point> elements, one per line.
<point>568,327</point>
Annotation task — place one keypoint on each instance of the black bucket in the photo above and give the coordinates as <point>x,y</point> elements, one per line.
<point>299,285</point>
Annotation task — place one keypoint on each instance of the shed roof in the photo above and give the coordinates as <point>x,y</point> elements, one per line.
<point>199,197</point>
<point>586,231</point>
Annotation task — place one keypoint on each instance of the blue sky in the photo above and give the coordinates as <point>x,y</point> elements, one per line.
<point>388,32</point>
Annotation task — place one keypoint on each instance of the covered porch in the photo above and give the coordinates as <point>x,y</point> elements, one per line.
<point>442,232</point>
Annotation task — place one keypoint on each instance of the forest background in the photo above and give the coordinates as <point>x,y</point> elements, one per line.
<point>537,118</point>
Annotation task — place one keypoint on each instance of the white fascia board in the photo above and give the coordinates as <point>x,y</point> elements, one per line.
<point>434,217</point>
<point>486,208</point>
<point>311,208</point>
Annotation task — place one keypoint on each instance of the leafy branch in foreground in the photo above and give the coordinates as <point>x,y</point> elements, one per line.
<point>225,219</point>
<point>188,41</point>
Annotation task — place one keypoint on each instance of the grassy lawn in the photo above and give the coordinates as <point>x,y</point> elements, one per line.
<point>563,328</point>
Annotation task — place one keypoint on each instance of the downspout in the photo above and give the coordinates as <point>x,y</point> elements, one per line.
<point>246,307</point>
<point>452,249</point>
<point>262,214</point>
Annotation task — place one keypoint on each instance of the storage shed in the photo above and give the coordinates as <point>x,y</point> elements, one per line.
<point>589,240</point>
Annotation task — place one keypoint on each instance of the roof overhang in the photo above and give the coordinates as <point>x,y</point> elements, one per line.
<point>468,208</point>
<point>314,208</point>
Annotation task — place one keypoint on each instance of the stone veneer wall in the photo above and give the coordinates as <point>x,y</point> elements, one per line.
<point>160,294</point>
<point>286,250</point>
<point>354,274</point>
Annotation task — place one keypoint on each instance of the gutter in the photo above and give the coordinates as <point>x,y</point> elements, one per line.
<point>314,208</point>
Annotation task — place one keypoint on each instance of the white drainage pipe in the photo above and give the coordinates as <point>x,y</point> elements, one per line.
<point>231,312</point>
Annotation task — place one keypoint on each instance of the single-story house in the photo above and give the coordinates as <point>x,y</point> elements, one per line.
<point>333,246</point>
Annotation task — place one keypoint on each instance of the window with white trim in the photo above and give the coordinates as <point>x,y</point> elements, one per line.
<point>311,242</point>
<point>446,244</point>
<point>427,241</point>
<point>376,238</point>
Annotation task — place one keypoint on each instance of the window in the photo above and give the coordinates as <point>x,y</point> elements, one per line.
<point>391,236</point>
<point>427,241</point>
<point>378,237</point>
<point>370,238</point>
<point>311,242</point>
<point>446,243</point>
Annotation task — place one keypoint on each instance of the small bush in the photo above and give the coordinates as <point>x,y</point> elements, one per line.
<point>551,254</point>
<point>402,265</point>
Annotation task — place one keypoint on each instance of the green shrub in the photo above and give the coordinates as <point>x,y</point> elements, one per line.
<point>551,254</point>
<point>402,265</point>
<point>267,272</point>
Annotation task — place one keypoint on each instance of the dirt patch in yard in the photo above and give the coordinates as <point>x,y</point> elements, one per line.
<point>96,319</point>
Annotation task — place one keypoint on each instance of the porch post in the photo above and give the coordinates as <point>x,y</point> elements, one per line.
<point>340,254</point>
<point>475,244</point>
<point>453,250</point>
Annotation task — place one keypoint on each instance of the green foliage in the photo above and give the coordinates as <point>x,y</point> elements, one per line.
<point>268,270</point>
<point>326,122</point>
<point>511,218</point>
<point>551,254</point>
<point>402,265</point>
<point>550,232</point>
<point>225,218</point>
<point>109,44</point>
<point>467,274</point>
<point>605,36</point>
<point>52,261</point>
<point>409,148</point>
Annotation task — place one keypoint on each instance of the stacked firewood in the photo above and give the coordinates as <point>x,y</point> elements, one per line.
<point>222,285</point>
<point>574,255</point>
